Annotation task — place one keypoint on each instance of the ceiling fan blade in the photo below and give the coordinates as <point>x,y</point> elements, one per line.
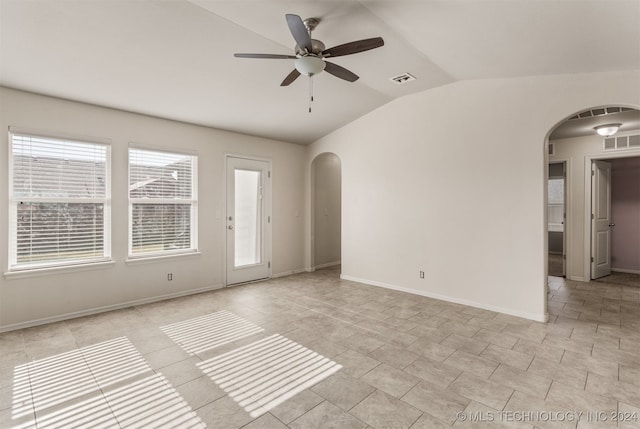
<point>299,31</point>
<point>354,47</point>
<point>290,78</point>
<point>267,56</point>
<point>341,72</point>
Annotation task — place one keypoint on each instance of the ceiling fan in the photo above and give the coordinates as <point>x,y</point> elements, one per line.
<point>310,54</point>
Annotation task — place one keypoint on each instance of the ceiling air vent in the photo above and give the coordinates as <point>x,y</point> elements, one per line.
<point>622,142</point>
<point>402,78</point>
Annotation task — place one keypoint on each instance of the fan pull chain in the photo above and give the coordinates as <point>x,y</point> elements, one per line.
<point>310,92</point>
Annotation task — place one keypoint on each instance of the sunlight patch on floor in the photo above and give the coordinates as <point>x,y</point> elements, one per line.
<point>210,331</point>
<point>264,374</point>
<point>102,385</point>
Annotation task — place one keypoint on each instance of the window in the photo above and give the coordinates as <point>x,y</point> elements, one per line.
<point>162,203</point>
<point>59,197</point>
<point>555,208</point>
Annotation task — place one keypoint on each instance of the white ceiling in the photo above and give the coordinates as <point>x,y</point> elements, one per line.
<point>174,58</point>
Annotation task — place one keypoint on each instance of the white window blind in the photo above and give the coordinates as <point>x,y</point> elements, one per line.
<point>59,202</point>
<point>162,202</point>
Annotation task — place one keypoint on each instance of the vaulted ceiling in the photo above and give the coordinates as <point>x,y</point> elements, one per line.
<point>174,58</point>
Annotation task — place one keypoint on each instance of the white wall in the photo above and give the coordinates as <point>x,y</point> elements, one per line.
<point>578,153</point>
<point>326,209</point>
<point>420,191</point>
<point>24,301</point>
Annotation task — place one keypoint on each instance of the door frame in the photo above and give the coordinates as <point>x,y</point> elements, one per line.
<point>588,159</point>
<point>567,207</point>
<point>267,207</point>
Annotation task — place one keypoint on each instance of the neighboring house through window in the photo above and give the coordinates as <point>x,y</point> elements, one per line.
<point>59,197</point>
<point>162,202</point>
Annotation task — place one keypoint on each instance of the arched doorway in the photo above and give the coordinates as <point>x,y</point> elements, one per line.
<point>575,145</point>
<point>326,211</point>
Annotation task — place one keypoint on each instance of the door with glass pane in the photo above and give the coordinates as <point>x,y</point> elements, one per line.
<point>247,220</point>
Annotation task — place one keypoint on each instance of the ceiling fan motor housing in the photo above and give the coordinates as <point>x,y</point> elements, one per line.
<point>316,48</point>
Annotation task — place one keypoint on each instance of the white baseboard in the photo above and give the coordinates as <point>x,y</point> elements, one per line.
<point>530,316</point>
<point>288,273</point>
<point>327,265</point>
<point>624,270</point>
<point>96,310</point>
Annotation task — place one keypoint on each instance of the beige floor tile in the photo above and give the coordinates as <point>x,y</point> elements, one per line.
<point>487,392</point>
<point>362,343</point>
<point>579,400</point>
<point>607,368</point>
<point>343,390</point>
<point>355,364</point>
<point>327,416</point>
<point>538,412</point>
<point>438,373</point>
<point>382,411</point>
<point>628,416</point>
<point>498,338</point>
<point>390,380</point>
<point>223,413</point>
<point>509,357</point>
<point>478,365</point>
<point>294,407</point>
<point>441,403</point>
<point>630,374</point>
<point>200,391</point>
<point>563,373</point>
<point>522,381</point>
<point>619,390</point>
<point>590,350</point>
<point>427,421</point>
<point>266,421</point>
<point>579,346</point>
<point>431,350</point>
<point>394,356</point>
<point>466,344</point>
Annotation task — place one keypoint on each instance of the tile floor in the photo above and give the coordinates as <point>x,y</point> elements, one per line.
<point>313,351</point>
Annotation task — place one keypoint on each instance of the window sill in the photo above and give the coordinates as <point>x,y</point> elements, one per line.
<point>160,258</point>
<point>39,272</point>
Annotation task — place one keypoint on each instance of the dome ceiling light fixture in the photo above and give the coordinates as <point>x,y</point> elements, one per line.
<point>607,130</point>
<point>311,55</point>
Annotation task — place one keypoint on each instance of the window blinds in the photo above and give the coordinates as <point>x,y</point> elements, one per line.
<point>59,197</point>
<point>162,202</point>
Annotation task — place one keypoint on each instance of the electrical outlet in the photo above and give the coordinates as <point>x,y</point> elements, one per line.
<point>170,276</point>
<point>421,274</point>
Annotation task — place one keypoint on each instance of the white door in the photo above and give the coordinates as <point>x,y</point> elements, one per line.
<point>600,219</point>
<point>248,220</point>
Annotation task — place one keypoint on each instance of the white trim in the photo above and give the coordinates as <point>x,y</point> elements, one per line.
<point>327,265</point>
<point>103,309</point>
<point>268,233</point>
<point>624,270</point>
<point>588,159</point>
<point>62,269</point>
<point>160,257</point>
<point>59,135</point>
<point>531,316</point>
<point>289,273</point>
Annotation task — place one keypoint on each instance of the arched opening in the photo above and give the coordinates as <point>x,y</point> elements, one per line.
<point>592,198</point>
<point>326,211</point>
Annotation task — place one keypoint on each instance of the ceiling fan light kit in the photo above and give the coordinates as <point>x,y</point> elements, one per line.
<point>310,54</point>
<point>309,65</point>
<point>607,130</point>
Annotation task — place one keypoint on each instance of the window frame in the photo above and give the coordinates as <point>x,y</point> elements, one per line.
<point>193,202</point>
<point>13,267</point>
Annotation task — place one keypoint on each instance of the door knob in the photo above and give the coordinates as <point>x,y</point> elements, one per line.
<point>230,227</point>
<point>612,224</point>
